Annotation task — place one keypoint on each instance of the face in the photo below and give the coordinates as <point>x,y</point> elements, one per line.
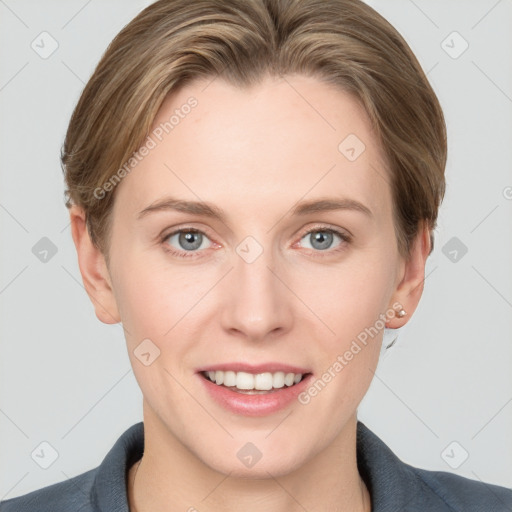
<point>268,283</point>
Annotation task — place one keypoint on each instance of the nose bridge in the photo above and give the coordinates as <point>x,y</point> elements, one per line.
<point>257,302</point>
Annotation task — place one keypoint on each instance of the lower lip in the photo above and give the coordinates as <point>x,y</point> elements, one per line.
<point>257,404</point>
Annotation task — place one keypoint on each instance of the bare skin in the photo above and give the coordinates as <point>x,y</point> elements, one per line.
<point>255,153</point>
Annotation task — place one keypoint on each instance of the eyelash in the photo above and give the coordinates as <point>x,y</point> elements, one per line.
<point>346,239</point>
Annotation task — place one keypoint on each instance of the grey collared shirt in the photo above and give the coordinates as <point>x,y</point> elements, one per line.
<point>394,486</point>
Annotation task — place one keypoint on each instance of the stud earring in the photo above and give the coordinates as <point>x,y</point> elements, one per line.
<point>401,313</point>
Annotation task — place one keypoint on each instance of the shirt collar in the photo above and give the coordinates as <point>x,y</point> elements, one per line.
<point>109,492</point>
<point>391,483</point>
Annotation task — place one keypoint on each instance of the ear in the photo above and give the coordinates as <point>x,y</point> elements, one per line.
<point>412,276</point>
<point>93,268</point>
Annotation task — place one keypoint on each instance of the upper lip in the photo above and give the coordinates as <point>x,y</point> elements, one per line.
<point>271,367</point>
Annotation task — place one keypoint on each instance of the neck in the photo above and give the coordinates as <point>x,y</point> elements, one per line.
<point>170,477</point>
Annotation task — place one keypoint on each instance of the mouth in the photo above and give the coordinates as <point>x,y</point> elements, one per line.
<point>254,389</point>
<point>254,383</point>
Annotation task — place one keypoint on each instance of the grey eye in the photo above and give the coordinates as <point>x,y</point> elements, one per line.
<point>187,240</point>
<point>320,239</point>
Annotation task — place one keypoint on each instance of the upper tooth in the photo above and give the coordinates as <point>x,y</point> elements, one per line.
<point>289,379</point>
<point>259,381</point>
<point>244,380</point>
<point>278,380</point>
<point>229,378</point>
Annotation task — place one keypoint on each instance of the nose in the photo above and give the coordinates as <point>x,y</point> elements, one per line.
<point>258,304</point>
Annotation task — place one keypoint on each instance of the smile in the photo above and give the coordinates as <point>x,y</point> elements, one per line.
<point>254,394</point>
<point>248,382</point>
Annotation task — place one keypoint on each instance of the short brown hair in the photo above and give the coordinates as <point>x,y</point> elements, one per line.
<point>342,42</point>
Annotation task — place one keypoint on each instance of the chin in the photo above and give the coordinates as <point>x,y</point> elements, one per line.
<point>245,460</point>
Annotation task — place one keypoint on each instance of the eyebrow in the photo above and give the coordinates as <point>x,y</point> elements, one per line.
<point>210,210</point>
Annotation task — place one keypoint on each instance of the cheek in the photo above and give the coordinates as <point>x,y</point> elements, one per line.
<point>355,294</point>
<point>145,298</point>
<point>151,309</point>
<point>348,352</point>
<point>161,302</point>
<point>353,310</point>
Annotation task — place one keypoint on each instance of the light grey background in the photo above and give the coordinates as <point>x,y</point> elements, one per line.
<point>66,378</point>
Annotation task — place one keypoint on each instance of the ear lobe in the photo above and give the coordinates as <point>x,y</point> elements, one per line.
<point>409,290</point>
<point>94,270</point>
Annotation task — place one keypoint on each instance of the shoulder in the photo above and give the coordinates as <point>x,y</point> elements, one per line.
<point>396,485</point>
<point>73,494</point>
<point>464,494</point>
<point>100,489</point>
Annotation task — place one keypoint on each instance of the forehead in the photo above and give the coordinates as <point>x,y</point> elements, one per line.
<point>277,142</point>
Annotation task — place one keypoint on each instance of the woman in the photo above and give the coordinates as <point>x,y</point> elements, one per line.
<point>253,187</point>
